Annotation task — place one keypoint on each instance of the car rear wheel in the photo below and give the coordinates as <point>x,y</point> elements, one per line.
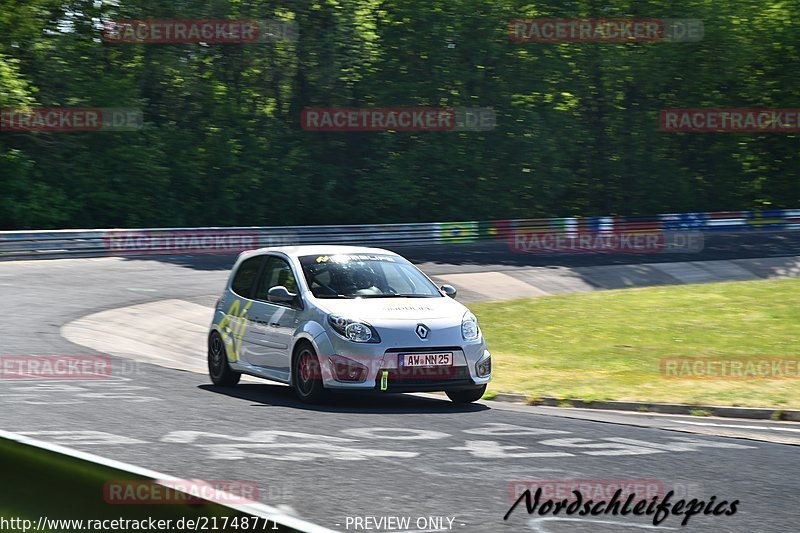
<point>466,396</point>
<point>218,368</point>
<point>307,376</point>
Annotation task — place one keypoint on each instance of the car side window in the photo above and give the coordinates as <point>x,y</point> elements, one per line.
<point>276,272</point>
<point>245,277</point>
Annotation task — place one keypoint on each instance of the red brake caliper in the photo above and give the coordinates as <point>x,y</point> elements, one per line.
<point>304,369</point>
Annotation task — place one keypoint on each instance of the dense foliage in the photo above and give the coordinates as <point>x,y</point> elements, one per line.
<point>577,123</point>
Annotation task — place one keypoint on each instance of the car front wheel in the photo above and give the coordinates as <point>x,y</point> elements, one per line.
<point>307,376</point>
<point>466,396</point>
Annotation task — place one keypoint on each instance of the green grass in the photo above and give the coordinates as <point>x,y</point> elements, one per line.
<point>37,482</point>
<point>607,345</point>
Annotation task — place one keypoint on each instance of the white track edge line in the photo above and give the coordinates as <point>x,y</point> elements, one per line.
<point>257,509</point>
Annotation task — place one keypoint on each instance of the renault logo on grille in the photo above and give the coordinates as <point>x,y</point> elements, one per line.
<point>422,331</point>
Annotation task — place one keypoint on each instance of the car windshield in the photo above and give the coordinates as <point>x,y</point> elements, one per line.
<point>365,276</point>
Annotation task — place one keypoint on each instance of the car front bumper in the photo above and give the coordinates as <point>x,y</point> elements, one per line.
<point>384,373</point>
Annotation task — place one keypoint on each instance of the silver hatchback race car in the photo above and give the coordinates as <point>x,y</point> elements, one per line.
<point>324,318</point>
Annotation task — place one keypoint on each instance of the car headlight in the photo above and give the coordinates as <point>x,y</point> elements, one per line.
<point>469,327</point>
<point>353,330</point>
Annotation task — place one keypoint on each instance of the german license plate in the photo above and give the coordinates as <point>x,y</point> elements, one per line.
<point>426,359</point>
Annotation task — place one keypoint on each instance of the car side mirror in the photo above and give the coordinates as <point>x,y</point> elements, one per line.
<point>280,295</point>
<point>449,290</point>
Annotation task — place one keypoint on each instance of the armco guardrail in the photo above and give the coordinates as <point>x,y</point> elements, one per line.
<point>46,487</point>
<point>168,241</point>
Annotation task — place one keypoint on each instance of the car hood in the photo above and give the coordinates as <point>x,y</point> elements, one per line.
<point>394,308</point>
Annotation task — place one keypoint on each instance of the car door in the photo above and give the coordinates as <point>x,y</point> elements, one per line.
<point>236,305</point>
<point>273,324</point>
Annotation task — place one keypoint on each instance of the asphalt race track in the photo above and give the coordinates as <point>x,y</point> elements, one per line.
<point>412,456</point>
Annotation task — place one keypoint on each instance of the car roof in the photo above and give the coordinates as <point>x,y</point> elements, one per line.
<point>319,249</point>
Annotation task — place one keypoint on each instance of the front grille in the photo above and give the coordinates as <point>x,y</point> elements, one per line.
<point>425,375</point>
<point>420,378</point>
<point>426,349</point>
<point>425,379</point>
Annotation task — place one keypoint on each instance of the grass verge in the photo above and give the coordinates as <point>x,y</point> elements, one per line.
<point>41,483</point>
<point>607,345</point>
